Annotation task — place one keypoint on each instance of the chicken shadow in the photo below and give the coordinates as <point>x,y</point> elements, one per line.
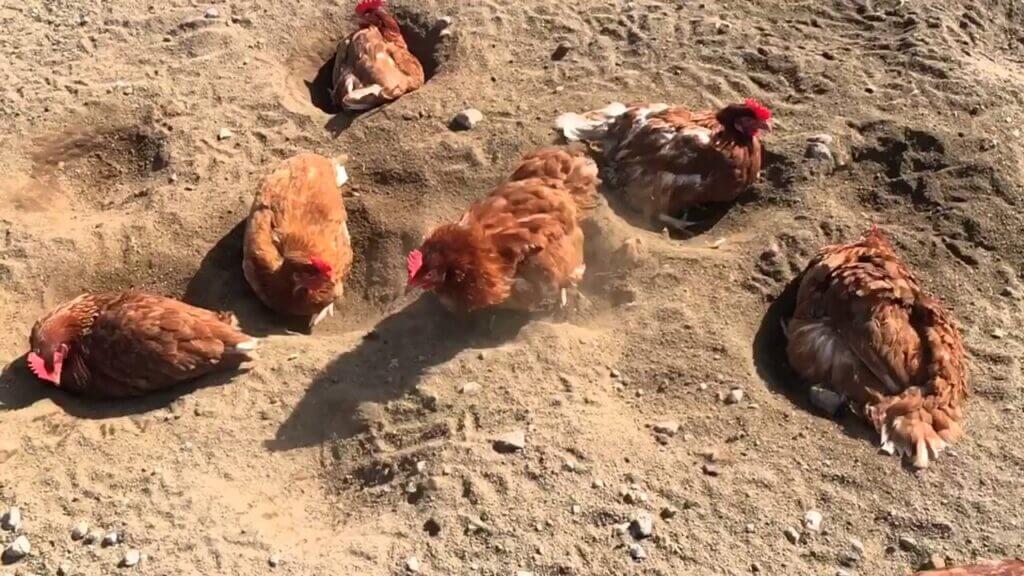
<point>220,284</point>
<point>19,389</point>
<point>770,360</point>
<point>386,364</point>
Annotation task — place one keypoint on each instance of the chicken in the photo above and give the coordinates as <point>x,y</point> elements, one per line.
<point>1004,568</point>
<point>521,247</point>
<point>297,251</point>
<point>864,329</point>
<point>373,64</point>
<point>131,343</point>
<point>667,159</point>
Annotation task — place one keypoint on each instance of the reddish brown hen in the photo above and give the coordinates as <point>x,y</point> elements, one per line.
<point>864,329</point>
<point>297,249</point>
<point>1004,568</point>
<point>128,344</point>
<point>373,65</point>
<point>665,159</point>
<point>521,247</point>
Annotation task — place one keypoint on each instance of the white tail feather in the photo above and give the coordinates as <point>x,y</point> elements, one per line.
<point>248,345</point>
<point>590,126</point>
<point>341,175</point>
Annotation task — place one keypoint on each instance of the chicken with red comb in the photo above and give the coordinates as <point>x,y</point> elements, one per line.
<point>666,159</point>
<point>132,343</point>
<point>865,329</point>
<point>297,251</point>
<point>373,65</point>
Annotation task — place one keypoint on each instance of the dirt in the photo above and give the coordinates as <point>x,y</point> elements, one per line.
<point>355,449</point>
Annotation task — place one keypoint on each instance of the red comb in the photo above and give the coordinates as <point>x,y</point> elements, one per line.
<point>321,266</point>
<point>414,263</point>
<point>759,111</point>
<point>369,6</point>
<point>37,365</point>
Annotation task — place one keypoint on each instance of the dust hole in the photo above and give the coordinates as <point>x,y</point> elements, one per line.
<point>429,39</point>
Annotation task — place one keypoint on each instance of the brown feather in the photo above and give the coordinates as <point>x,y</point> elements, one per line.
<point>864,328</point>
<point>1004,568</point>
<point>376,55</point>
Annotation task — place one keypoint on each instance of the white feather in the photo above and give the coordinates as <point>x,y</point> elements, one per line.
<point>248,345</point>
<point>340,175</point>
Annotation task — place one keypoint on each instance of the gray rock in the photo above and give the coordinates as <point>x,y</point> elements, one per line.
<point>225,134</point>
<point>812,520</point>
<point>211,13</point>
<point>467,119</point>
<point>11,519</point>
<point>849,558</point>
<point>819,151</point>
<point>510,442</point>
<point>110,539</point>
<point>642,526</point>
<point>637,552</point>
<point>735,396</point>
<point>857,546</point>
<point>93,537</point>
<point>470,388</point>
<point>669,428</point>
<point>18,549</point>
<point>131,558</point>
<point>792,535</point>
<point>79,531</point>
<point>826,400</point>
<point>908,544</point>
<point>669,512</point>
<point>274,561</point>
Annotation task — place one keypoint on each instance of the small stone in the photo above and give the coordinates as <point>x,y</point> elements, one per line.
<point>79,531</point>
<point>443,22</point>
<point>857,546</point>
<point>907,544</point>
<point>849,558</point>
<point>225,134</point>
<point>511,442</point>
<point>735,396</point>
<point>842,572</point>
<point>211,13</point>
<point>818,151</point>
<point>749,528</point>
<point>812,521</point>
<point>597,483</point>
<point>467,119</point>
<point>274,561</point>
<point>669,512</point>
<point>825,139</point>
<point>576,509</point>
<point>637,552</point>
<point>110,539</point>
<point>711,470</point>
<point>412,565</point>
<point>17,550</point>
<point>755,568</point>
<point>470,388</point>
<point>826,400</point>
<point>792,535</point>
<point>64,569</point>
<point>93,537</point>
<point>561,51</point>
<point>642,526</point>
<point>669,428</point>
<point>11,519</point>
<point>131,558</point>
<point>935,562</point>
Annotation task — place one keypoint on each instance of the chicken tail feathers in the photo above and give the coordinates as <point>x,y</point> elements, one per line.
<point>243,351</point>
<point>591,126</point>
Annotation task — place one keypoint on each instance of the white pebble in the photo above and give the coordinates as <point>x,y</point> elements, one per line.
<point>110,539</point>
<point>735,396</point>
<point>412,565</point>
<point>225,134</point>
<point>274,560</point>
<point>131,558</point>
<point>80,531</point>
<point>670,428</point>
<point>467,119</point>
<point>11,519</point>
<point>211,13</point>
<point>637,552</point>
<point>812,520</point>
<point>18,549</point>
<point>470,388</point>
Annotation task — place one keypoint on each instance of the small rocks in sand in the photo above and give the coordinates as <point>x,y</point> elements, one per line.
<point>669,512</point>
<point>669,428</point>
<point>211,13</point>
<point>711,470</point>
<point>637,552</point>
<point>642,526</point>
<point>792,535</point>
<point>511,442</point>
<point>934,562</point>
<point>561,51</point>
<point>412,565</point>
<point>467,119</point>
<point>93,537</point>
<point>908,544</point>
<point>17,550</point>
<point>857,546</point>
<point>11,519</point>
<point>225,134</point>
<point>812,521</point>
<point>734,396</point>
<point>825,139</point>
<point>825,400</point>
<point>470,388</point>
<point>849,558</point>
<point>79,531</point>
<point>110,539</point>
<point>65,569</point>
<point>274,561</point>
<point>131,558</point>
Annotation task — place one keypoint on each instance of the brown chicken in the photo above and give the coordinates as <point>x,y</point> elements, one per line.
<point>1004,568</point>
<point>521,247</point>
<point>374,65</point>
<point>864,329</point>
<point>666,159</point>
<point>297,249</point>
<point>131,343</point>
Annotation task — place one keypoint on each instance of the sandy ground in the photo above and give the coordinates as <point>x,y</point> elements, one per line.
<point>360,447</point>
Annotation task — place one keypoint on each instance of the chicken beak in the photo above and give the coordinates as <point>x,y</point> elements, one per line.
<point>765,125</point>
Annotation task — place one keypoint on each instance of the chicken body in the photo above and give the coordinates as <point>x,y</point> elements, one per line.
<point>1004,568</point>
<point>522,246</point>
<point>131,343</point>
<point>374,65</point>
<point>297,250</point>
<point>864,329</point>
<point>664,159</point>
